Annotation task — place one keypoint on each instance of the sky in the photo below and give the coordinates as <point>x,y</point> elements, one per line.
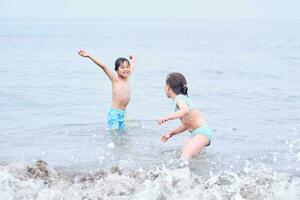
<point>153,9</point>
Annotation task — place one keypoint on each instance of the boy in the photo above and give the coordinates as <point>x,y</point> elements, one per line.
<point>120,88</point>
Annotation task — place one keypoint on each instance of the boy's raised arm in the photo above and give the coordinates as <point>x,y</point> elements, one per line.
<point>132,59</point>
<point>107,71</point>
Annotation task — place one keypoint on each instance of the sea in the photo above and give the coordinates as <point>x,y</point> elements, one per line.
<point>244,76</point>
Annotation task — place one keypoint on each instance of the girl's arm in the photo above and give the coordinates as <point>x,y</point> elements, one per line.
<point>107,71</point>
<point>183,110</point>
<point>173,132</point>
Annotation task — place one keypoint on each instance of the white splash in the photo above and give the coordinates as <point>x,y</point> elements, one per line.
<point>18,181</point>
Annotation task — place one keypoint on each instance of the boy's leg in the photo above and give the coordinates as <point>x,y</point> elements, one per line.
<point>122,121</point>
<point>194,146</point>
<point>112,120</point>
<point>122,126</point>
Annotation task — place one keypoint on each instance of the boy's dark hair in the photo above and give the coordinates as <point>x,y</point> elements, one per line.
<point>177,83</point>
<point>119,62</point>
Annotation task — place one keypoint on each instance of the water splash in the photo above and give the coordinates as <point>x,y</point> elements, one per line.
<point>294,149</point>
<point>39,181</point>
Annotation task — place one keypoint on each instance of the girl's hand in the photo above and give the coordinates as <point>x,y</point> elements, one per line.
<point>83,53</point>
<point>162,120</point>
<point>165,137</point>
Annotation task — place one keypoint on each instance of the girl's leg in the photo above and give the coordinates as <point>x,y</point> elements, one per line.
<point>194,146</point>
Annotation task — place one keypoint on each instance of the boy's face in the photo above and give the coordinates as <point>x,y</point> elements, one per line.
<point>124,70</point>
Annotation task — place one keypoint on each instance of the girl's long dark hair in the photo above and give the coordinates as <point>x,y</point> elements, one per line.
<point>177,83</point>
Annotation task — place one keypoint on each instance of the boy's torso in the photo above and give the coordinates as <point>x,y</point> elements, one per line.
<point>120,94</point>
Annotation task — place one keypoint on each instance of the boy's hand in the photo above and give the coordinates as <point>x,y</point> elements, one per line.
<point>132,57</point>
<point>165,137</point>
<point>162,120</point>
<point>83,53</point>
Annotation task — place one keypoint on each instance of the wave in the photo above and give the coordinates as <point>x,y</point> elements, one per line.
<point>40,181</point>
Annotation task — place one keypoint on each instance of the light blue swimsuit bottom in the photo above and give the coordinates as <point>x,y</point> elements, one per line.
<point>116,119</point>
<point>204,130</point>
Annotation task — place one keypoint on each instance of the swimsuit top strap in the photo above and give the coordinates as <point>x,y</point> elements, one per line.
<point>186,99</point>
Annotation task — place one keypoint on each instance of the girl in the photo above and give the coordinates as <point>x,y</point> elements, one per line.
<point>187,112</point>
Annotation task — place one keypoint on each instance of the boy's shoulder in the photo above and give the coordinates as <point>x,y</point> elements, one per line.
<point>120,80</point>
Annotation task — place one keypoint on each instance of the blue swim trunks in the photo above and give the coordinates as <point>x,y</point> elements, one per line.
<point>116,119</point>
<point>204,130</point>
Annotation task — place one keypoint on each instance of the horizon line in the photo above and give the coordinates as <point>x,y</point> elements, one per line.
<point>143,19</point>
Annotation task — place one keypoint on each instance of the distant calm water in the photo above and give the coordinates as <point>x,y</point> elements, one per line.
<point>244,76</point>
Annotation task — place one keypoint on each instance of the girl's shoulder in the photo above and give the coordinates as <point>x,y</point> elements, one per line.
<point>186,99</point>
<point>182,97</point>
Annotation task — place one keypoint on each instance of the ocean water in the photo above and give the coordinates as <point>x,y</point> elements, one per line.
<point>243,75</point>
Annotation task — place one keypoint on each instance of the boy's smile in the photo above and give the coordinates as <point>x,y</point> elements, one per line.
<point>124,70</point>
